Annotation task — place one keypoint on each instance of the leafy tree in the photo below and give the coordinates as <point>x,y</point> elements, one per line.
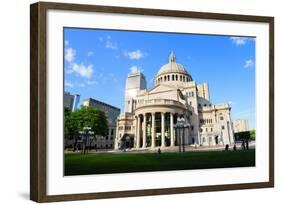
<point>85,117</point>
<point>71,126</point>
<point>253,134</point>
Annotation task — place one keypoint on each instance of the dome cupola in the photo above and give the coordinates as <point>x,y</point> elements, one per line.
<point>172,71</point>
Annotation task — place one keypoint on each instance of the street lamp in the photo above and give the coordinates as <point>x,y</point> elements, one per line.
<point>180,127</point>
<point>86,132</point>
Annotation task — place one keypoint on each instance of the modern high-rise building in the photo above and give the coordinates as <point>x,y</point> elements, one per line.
<point>240,125</point>
<point>111,113</point>
<point>71,101</point>
<point>135,82</point>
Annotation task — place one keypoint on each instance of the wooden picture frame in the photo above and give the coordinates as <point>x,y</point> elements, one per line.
<point>38,103</point>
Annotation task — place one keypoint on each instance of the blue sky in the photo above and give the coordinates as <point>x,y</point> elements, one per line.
<point>97,62</point>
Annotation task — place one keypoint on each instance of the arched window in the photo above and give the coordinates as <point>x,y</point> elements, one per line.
<point>173,77</point>
<point>183,78</point>
<point>164,78</point>
<point>176,77</point>
<point>201,130</point>
<point>180,78</point>
<point>168,78</point>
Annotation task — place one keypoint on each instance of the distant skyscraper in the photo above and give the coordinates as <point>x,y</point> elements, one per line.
<point>135,82</point>
<point>71,101</point>
<point>240,125</point>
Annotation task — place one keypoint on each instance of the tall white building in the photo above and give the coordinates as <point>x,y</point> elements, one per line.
<point>135,81</point>
<point>240,125</point>
<point>150,114</point>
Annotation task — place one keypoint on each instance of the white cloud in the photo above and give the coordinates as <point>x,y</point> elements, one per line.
<point>69,55</point>
<point>83,70</point>
<point>238,41</point>
<point>69,71</point>
<point>68,84</point>
<point>135,55</point>
<point>135,69</point>
<point>249,63</point>
<point>110,44</point>
<point>82,85</point>
<point>90,53</point>
<point>91,82</point>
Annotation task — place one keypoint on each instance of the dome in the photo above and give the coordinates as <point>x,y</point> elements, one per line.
<point>172,66</point>
<point>172,72</point>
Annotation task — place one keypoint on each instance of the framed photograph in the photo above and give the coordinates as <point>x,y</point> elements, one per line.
<point>135,102</point>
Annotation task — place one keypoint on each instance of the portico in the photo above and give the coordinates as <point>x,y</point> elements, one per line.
<point>155,123</point>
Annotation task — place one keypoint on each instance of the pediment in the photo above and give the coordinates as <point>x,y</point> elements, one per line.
<point>162,88</point>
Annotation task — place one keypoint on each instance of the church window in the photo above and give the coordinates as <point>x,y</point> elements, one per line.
<point>192,94</point>
<point>206,129</point>
<point>205,105</point>
<point>180,78</point>
<point>221,118</point>
<point>164,78</point>
<point>173,77</point>
<point>211,129</point>
<point>201,130</point>
<point>222,127</point>
<point>168,78</point>
<point>176,77</point>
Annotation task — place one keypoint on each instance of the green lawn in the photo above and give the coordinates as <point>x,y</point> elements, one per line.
<point>102,163</point>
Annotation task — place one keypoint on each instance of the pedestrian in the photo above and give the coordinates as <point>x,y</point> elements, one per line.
<point>243,145</point>
<point>234,147</point>
<point>247,144</point>
<point>226,147</point>
<point>159,151</point>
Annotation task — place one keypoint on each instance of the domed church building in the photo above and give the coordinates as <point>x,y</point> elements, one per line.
<point>150,115</point>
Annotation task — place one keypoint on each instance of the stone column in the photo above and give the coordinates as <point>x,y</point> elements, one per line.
<point>186,132</point>
<point>138,131</point>
<point>162,129</point>
<point>152,130</point>
<point>172,129</point>
<point>144,131</point>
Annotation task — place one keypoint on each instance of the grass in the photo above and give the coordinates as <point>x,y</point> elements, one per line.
<point>105,163</point>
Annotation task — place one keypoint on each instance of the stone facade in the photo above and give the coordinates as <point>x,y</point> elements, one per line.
<point>240,125</point>
<point>150,114</point>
